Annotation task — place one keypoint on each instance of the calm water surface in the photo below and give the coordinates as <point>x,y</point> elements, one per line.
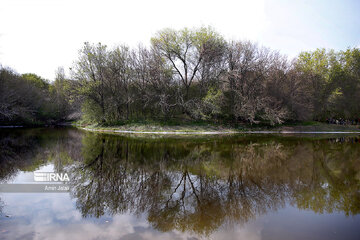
<point>222,187</point>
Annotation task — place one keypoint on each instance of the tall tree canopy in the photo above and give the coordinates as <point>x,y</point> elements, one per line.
<point>189,74</point>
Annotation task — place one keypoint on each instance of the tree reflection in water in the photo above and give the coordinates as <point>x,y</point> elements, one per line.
<point>195,185</point>
<point>199,185</point>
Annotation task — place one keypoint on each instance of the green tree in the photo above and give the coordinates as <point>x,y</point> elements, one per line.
<point>90,71</point>
<point>192,53</point>
<point>316,67</point>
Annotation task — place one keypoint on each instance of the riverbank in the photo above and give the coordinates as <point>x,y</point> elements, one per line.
<point>195,128</point>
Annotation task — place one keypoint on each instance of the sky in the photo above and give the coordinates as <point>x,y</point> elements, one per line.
<point>38,36</point>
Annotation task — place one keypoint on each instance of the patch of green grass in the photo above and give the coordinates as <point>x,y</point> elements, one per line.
<point>301,123</point>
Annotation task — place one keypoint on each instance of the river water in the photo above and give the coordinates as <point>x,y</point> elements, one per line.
<point>244,186</point>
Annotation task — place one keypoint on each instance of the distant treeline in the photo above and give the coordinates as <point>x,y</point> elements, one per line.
<point>189,74</point>
<point>28,99</point>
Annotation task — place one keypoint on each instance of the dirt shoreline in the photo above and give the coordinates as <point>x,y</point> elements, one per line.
<point>218,132</point>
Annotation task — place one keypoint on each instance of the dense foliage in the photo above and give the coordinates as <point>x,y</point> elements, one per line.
<point>31,100</point>
<point>190,74</point>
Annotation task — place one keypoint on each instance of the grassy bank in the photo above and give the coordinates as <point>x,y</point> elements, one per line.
<point>207,127</point>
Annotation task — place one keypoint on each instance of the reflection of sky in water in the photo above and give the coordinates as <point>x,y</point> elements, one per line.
<point>28,177</point>
<point>54,216</point>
